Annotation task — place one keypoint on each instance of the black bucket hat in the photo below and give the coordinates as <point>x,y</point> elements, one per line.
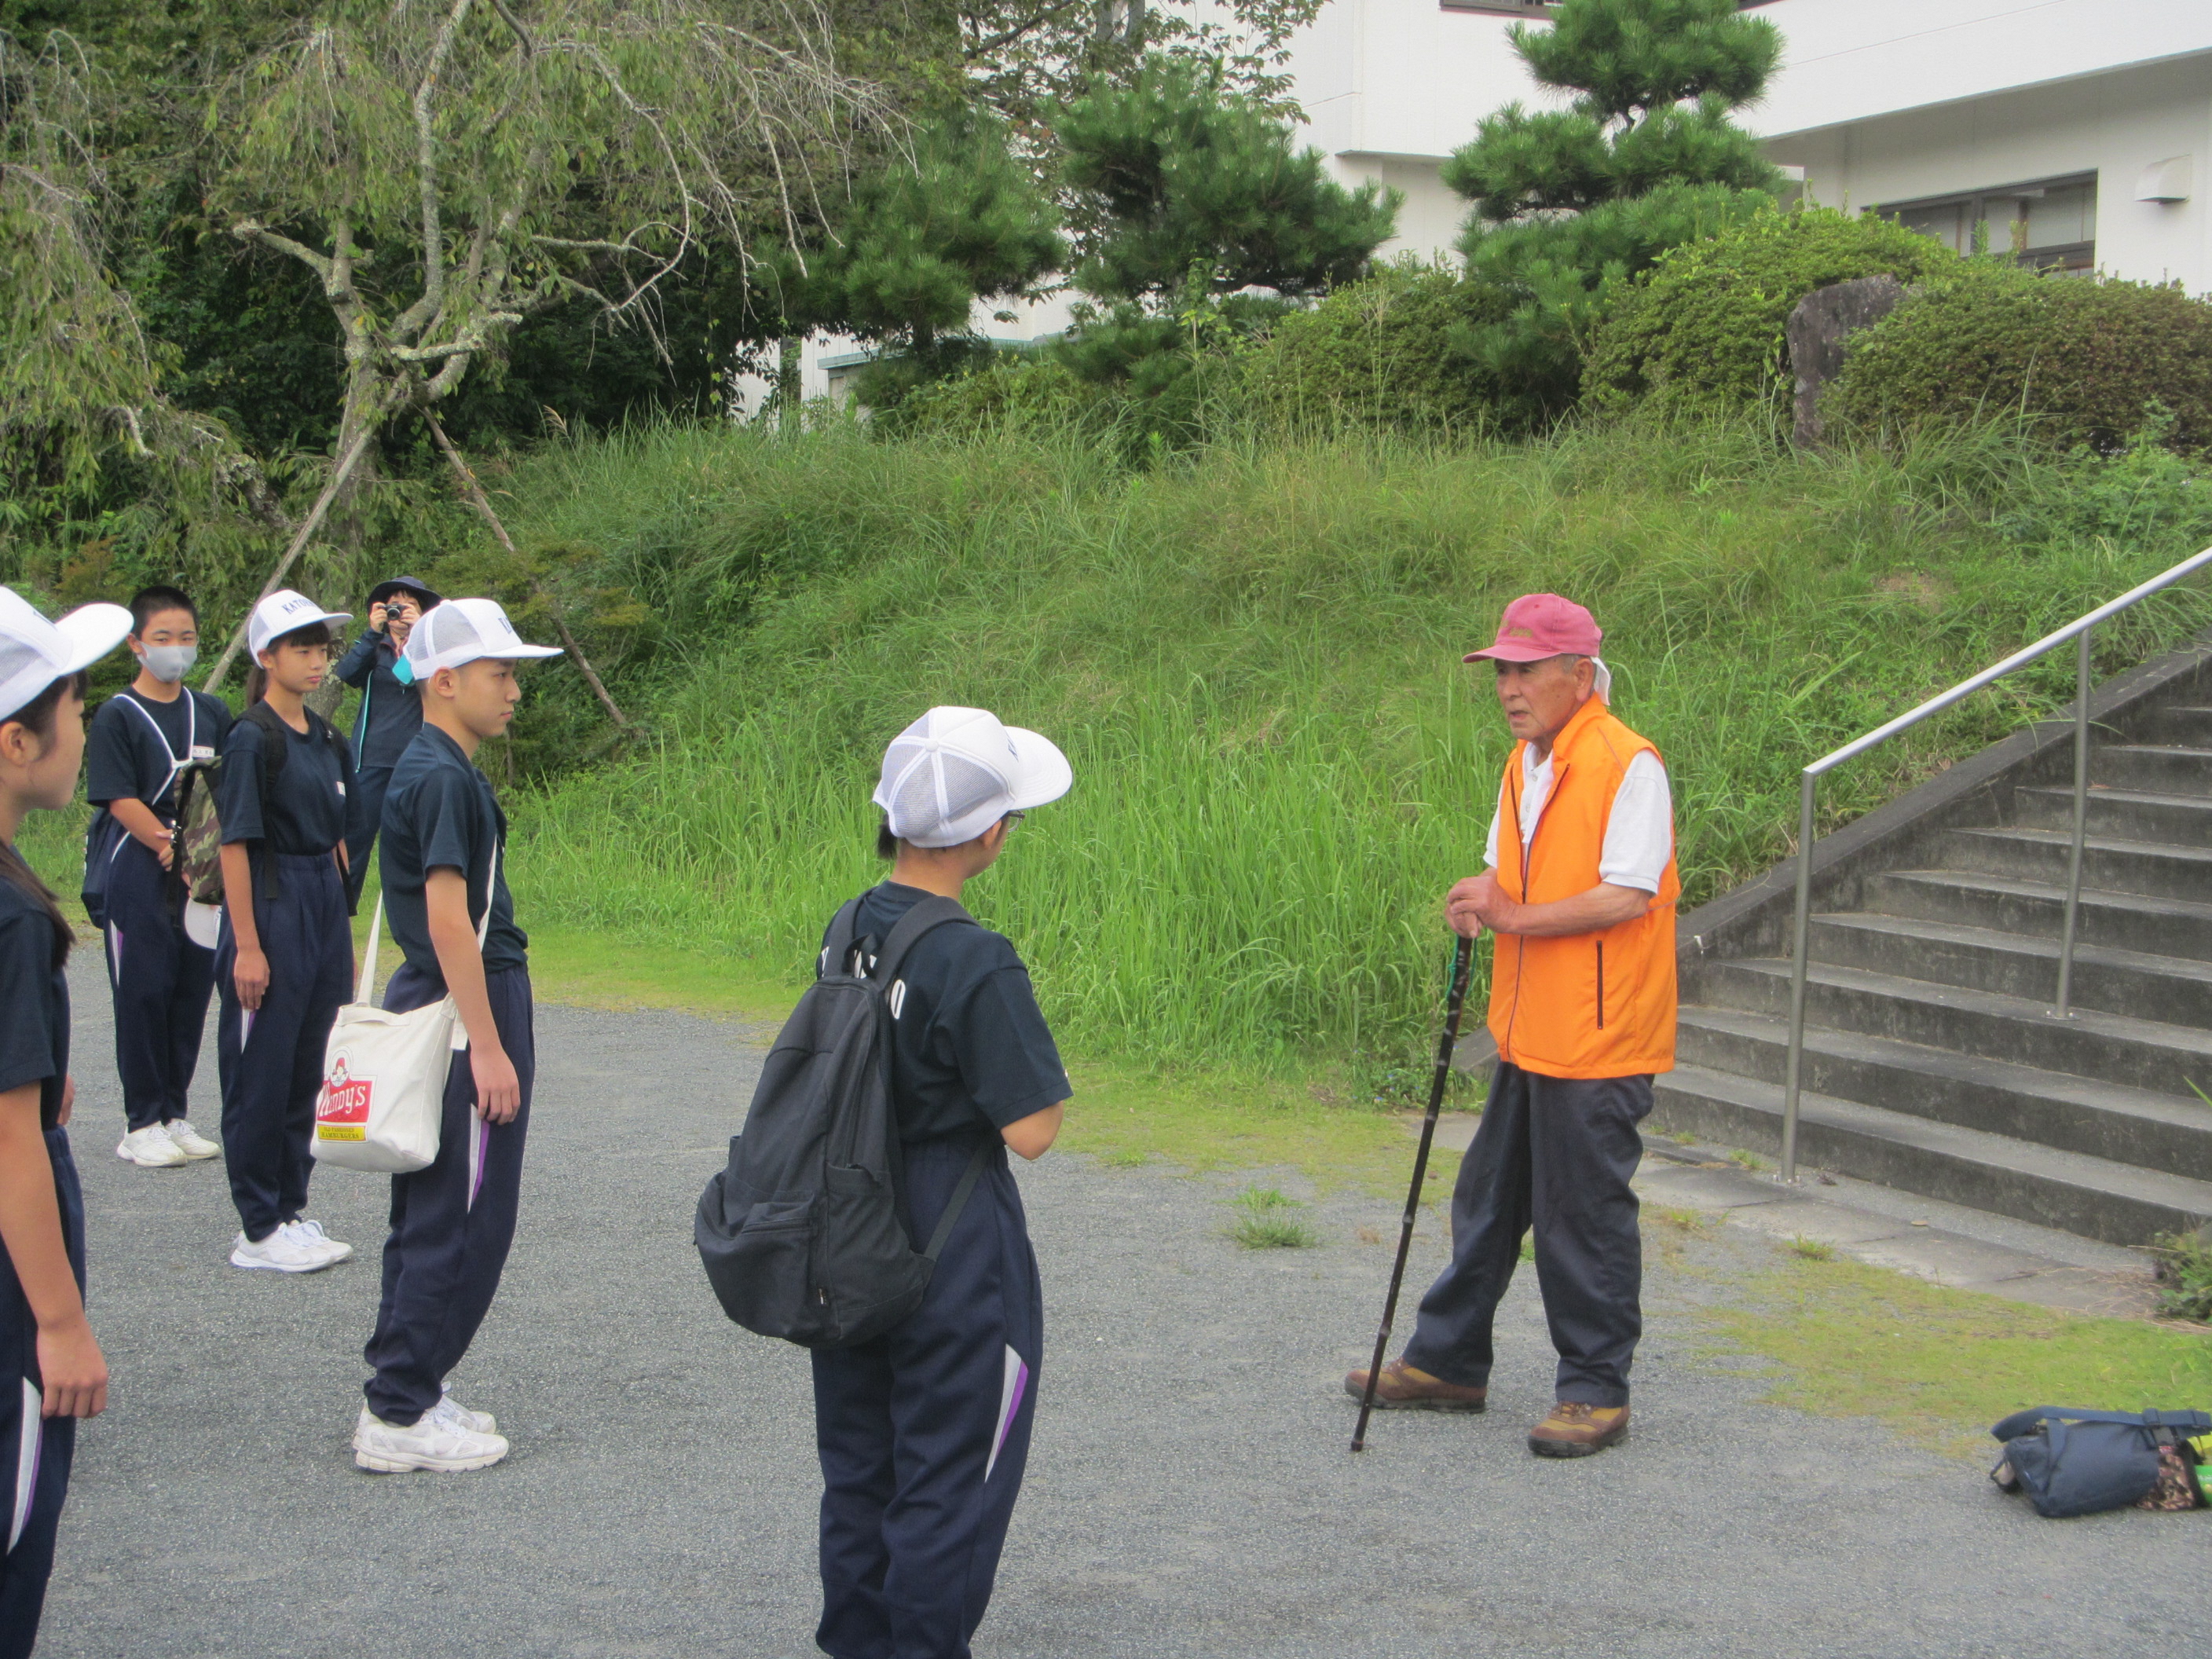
<point>383,590</point>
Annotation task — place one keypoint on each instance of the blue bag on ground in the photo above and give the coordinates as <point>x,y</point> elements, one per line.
<point>2079,1462</point>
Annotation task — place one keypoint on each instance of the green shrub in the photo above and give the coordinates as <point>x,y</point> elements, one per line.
<point>2083,358</point>
<point>1704,327</point>
<point>1014,392</point>
<point>1379,353</point>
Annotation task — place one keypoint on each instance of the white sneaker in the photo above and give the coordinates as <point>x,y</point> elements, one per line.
<point>309,1235</point>
<point>151,1148</point>
<point>434,1442</point>
<point>450,1411</point>
<point>188,1140</point>
<point>279,1252</point>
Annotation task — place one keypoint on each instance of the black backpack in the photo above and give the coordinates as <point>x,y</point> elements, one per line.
<point>802,1234</point>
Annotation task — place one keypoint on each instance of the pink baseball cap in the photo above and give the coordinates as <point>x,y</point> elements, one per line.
<point>1539,625</point>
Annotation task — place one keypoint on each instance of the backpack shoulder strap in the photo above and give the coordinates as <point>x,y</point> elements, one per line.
<point>927,916</point>
<point>976,1165</point>
<point>272,728</point>
<point>838,942</point>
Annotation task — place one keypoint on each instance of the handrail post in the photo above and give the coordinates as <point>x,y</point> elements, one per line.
<point>1810,783</point>
<point>2081,823</point>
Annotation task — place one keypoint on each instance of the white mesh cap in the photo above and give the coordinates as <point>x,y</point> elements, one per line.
<point>282,611</point>
<point>956,772</point>
<point>35,653</point>
<point>460,631</point>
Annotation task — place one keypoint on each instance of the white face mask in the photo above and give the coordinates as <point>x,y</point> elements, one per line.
<point>169,663</point>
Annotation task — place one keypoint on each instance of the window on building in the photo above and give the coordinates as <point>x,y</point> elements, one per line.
<point>2049,225</point>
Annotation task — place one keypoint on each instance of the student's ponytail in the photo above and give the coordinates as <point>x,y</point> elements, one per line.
<point>37,717</point>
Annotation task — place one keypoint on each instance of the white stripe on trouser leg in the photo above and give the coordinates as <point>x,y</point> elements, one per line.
<point>479,1143</point>
<point>31,1440</point>
<point>115,952</point>
<point>245,1028</point>
<point>1014,1385</point>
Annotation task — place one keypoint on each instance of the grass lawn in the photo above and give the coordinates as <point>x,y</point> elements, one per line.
<point>1938,1365</point>
<point>1196,1119</point>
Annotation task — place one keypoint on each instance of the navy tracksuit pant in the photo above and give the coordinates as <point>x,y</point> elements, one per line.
<point>924,1431</point>
<point>364,817</point>
<point>35,1453</point>
<point>1553,1154</point>
<point>271,1058</point>
<point>160,980</point>
<point>452,1222</point>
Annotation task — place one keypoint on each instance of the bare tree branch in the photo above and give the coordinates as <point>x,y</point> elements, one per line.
<point>474,490</point>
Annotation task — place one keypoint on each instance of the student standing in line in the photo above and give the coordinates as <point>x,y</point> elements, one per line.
<point>923,1433</point>
<point>285,959</point>
<point>390,711</point>
<point>444,871</point>
<point>142,741</point>
<point>51,1371</point>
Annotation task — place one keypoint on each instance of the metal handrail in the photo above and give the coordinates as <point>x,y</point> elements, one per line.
<point>2078,629</point>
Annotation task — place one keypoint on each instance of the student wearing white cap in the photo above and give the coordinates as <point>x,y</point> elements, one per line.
<point>284,959</point>
<point>51,1371</point>
<point>442,860</point>
<point>924,1431</point>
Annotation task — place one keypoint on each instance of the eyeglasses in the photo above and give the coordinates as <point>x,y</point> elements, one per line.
<point>1012,818</point>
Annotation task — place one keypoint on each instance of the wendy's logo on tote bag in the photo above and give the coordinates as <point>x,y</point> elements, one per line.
<point>343,1112</point>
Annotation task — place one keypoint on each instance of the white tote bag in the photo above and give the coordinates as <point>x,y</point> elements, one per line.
<point>384,1074</point>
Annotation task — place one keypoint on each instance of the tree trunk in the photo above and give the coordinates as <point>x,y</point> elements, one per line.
<point>348,459</point>
<point>788,403</point>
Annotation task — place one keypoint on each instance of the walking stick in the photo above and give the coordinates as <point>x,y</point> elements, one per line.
<point>1463,960</point>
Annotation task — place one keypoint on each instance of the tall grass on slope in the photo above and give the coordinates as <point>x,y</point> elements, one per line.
<point>1252,659</point>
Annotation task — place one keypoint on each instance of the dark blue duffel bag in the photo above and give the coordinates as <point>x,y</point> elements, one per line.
<point>2077,1462</point>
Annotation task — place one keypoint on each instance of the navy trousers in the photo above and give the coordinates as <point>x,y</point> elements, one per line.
<point>364,817</point>
<point>451,1223</point>
<point>1555,1154</point>
<point>271,1058</point>
<point>160,980</point>
<point>35,1453</point>
<point>924,1431</point>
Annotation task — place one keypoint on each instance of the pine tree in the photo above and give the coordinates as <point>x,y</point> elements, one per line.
<point>1186,197</point>
<point>917,241</point>
<point>1571,204</point>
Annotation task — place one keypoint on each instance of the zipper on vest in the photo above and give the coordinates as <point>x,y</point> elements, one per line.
<point>1600,985</point>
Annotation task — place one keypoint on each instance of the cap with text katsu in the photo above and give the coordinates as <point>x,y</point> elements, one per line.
<point>283,613</point>
<point>35,653</point>
<point>458,632</point>
<point>956,772</point>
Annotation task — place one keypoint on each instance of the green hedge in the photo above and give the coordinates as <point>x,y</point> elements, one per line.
<point>1704,328</point>
<point>2085,359</point>
<point>1378,353</point>
<point>1022,391</point>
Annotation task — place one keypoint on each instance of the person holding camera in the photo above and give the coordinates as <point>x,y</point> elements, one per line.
<point>1579,889</point>
<point>390,711</point>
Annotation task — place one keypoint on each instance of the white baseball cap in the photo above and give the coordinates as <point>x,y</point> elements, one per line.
<point>460,631</point>
<point>35,653</point>
<point>956,772</point>
<point>282,611</point>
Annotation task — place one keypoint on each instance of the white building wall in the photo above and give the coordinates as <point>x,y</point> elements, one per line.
<point>2115,125</point>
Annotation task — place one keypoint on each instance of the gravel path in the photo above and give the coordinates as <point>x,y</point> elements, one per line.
<point>1189,1493</point>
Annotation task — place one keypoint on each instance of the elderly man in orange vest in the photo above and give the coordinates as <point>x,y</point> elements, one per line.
<point>1579,892</point>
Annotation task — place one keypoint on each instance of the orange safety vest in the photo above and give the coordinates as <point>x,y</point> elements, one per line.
<point>1586,1005</point>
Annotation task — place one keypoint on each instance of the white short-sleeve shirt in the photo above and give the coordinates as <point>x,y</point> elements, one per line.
<point>1640,832</point>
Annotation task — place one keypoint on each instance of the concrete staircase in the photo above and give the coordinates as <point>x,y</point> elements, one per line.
<point>1933,1060</point>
